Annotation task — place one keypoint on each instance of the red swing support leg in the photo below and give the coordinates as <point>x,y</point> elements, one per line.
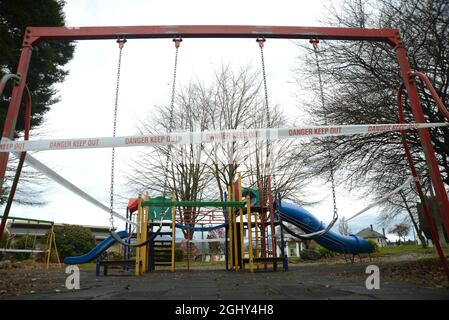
<point>427,215</point>
<point>11,118</point>
<point>19,165</point>
<point>426,142</point>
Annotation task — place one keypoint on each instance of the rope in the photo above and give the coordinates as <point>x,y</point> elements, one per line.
<point>384,198</point>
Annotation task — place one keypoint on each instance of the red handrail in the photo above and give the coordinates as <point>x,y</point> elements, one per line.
<point>433,92</point>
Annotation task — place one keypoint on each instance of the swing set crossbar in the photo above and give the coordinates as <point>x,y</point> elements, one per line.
<point>34,35</point>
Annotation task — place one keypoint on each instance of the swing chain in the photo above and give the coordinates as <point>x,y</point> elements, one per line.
<point>261,41</point>
<point>264,75</point>
<point>121,42</point>
<point>314,43</point>
<point>177,42</point>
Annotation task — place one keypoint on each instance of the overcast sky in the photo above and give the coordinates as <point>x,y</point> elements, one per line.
<point>87,95</point>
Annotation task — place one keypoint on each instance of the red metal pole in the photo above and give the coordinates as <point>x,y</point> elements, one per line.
<point>271,205</point>
<point>36,34</point>
<point>11,116</point>
<point>424,134</point>
<point>441,107</point>
<point>19,166</point>
<point>262,214</point>
<point>426,210</point>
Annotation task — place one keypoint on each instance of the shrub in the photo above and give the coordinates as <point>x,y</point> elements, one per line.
<point>4,239</point>
<point>72,240</point>
<point>111,256</point>
<point>326,253</point>
<point>3,242</point>
<point>23,242</point>
<point>374,245</point>
<point>179,254</point>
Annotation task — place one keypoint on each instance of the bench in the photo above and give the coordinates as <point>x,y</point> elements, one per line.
<point>274,260</point>
<point>106,263</point>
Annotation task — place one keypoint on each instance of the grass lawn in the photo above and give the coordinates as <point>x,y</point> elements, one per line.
<point>405,249</point>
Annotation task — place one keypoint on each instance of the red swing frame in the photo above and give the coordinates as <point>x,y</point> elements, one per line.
<point>34,35</point>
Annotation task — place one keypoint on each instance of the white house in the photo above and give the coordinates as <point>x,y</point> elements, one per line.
<point>371,234</point>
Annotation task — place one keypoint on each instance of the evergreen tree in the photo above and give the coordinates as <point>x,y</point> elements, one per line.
<point>48,58</point>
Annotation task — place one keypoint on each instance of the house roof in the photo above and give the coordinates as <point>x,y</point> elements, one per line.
<point>369,233</point>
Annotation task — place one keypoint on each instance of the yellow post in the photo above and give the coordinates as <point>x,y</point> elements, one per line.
<point>250,234</point>
<point>173,235</point>
<point>242,238</point>
<point>145,235</point>
<point>230,235</point>
<point>234,241</point>
<point>138,233</point>
<point>56,248</point>
<point>49,243</point>
<point>256,221</point>
<point>142,236</point>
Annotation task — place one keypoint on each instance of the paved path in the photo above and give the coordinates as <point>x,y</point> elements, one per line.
<point>339,281</point>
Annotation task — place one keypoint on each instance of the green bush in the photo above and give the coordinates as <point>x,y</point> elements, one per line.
<point>4,239</point>
<point>23,242</point>
<point>374,245</point>
<point>179,254</point>
<point>73,240</point>
<point>111,256</point>
<point>325,253</point>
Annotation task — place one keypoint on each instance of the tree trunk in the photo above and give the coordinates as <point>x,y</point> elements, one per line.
<point>418,230</point>
<point>441,235</point>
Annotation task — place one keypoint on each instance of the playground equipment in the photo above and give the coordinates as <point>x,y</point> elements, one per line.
<point>50,245</point>
<point>248,215</point>
<point>34,35</point>
<point>96,251</point>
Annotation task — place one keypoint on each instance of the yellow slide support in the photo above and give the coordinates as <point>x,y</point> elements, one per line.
<point>242,237</point>
<point>51,241</point>
<point>145,235</point>
<point>138,235</point>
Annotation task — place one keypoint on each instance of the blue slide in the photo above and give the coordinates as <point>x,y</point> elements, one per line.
<point>333,241</point>
<point>95,252</point>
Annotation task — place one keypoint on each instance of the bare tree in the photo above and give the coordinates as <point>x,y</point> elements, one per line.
<point>401,230</point>
<point>231,101</point>
<point>360,83</point>
<point>343,227</point>
<point>216,247</point>
<point>32,184</point>
<point>177,169</point>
